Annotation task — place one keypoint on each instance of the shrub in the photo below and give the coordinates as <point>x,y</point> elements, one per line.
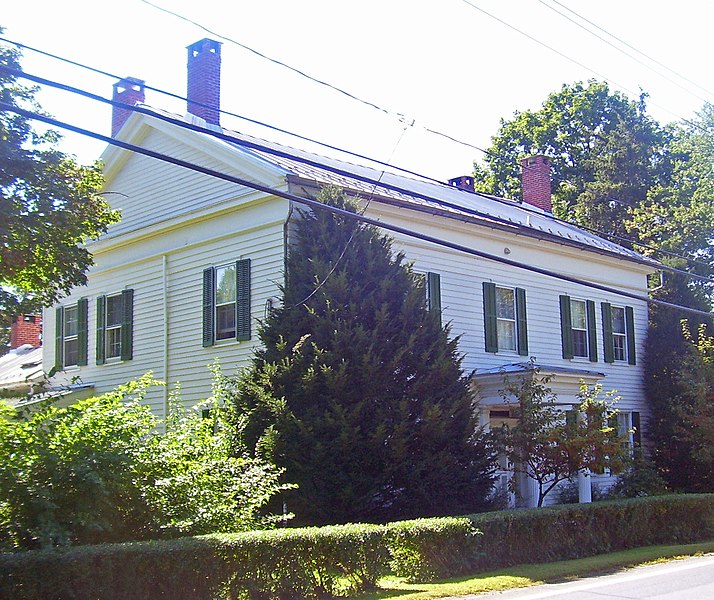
<point>318,562</point>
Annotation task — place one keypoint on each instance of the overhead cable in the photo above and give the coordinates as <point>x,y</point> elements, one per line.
<point>316,205</point>
<point>489,219</point>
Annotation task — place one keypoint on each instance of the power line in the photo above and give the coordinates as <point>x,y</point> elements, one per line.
<point>606,41</point>
<point>574,61</point>
<point>490,219</point>
<point>314,204</point>
<point>655,61</point>
<point>335,148</point>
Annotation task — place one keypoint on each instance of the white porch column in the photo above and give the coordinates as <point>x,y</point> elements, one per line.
<point>585,491</point>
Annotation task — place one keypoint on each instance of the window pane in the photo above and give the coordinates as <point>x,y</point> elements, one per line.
<point>504,304</point>
<point>506,335</point>
<point>226,321</point>
<point>580,342</point>
<point>619,345</point>
<point>71,321</point>
<point>578,318</point>
<point>71,352</point>
<point>618,320</point>
<point>225,284</point>
<point>113,341</point>
<point>114,305</point>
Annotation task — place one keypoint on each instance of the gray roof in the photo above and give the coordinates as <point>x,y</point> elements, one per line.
<point>21,367</point>
<point>527,367</point>
<point>416,193</point>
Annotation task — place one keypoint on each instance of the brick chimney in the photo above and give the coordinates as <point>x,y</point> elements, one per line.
<point>129,91</point>
<point>204,80</point>
<point>535,171</point>
<point>26,329</point>
<point>465,182</point>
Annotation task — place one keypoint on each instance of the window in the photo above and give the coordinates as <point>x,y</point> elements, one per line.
<point>505,320</point>
<point>577,328</point>
<point>618,333</point>
<point>115,326</point>
<point>226,302</point>
<point>71,335</point>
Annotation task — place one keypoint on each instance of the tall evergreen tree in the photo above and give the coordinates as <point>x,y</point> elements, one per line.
<point>358,391</point>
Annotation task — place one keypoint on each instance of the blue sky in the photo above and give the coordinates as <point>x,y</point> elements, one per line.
<point>443,65</point>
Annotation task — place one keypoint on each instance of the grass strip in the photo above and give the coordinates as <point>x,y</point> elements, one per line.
<point>535,574</point>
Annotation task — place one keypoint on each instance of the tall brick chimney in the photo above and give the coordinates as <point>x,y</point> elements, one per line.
<point>535,172</point>
<point>204,80</point>
<point>129,91</point>
<point>26,329</point>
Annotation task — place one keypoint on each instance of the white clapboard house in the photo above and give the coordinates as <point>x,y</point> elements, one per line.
<point>196,260</point>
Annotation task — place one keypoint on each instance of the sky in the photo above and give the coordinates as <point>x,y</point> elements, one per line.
<point>443,65</point>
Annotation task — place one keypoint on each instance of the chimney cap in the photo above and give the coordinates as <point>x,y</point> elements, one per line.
<point>465,182</point>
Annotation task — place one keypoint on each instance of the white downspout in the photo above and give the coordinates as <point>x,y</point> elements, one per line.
<point>165,375</point>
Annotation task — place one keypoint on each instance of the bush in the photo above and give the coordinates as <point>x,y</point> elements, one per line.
<point>318,562</point>
<point>99,471</point>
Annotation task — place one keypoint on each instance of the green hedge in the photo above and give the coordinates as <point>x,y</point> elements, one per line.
<point>319,562</point>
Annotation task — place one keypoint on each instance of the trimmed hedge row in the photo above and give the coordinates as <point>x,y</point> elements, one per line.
<point>320,562</point>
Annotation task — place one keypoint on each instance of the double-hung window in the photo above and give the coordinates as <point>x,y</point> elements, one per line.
<point>618,333</point>
<point>226,302</point>
<point>505,320</point>
<point>433,293</point>
<point>71,335</point>
<point>115,326</point>
<point>577,328</point>
<point>628,426</point>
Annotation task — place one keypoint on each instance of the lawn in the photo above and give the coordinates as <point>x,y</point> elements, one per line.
<point>525,575</point>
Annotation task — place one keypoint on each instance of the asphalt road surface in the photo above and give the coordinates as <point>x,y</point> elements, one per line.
<point>687,579</point>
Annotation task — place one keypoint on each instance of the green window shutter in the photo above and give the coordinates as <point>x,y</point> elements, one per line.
<point>127,325</point>
<point>101,302</point>
<point>209,284</point>
<point>521,322</point>
<point>82,333</point>
<point>607,333</point>
<point>489,316</point>
<point>433,287</point>
<point>636,427</point>
<point>630,329</point>
<point>59,338</point>
<point>243,299</point>
<point>592,332</point>
<point>566,327</point>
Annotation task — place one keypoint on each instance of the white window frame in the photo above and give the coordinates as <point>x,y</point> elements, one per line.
<point>619,338</point>
<point>227,334</point>
<point>112,331</point>
<point>506,321</point>
<point>584,329</point>
<point>70,337</point>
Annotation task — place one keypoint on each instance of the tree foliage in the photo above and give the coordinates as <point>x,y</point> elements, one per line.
<point>605,152</point>
<point>358,391</point>
<point>49,206</point>
<point>99,471</point>
<point>547,446</point>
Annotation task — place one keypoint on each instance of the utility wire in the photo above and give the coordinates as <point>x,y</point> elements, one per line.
<point>314,204</point>
<point>606,41</point>
<point>490,219</point>
<point>356,155</point>
<point>631,47</point>
<point>576,62</point>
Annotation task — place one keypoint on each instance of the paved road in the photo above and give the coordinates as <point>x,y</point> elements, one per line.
<point>687,579</point>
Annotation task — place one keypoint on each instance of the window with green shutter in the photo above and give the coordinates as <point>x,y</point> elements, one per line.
<point>115,327</point>
<point>505,319</point>
<point>577,328</point>
<point>618,333</point>
<point>71,335</point>
<point>226,302</point>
